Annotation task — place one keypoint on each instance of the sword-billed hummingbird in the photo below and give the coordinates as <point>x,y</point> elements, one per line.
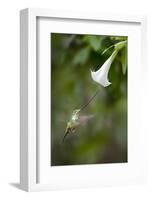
<point>76,118</point>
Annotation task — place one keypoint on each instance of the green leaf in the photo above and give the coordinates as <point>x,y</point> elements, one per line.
<point>124,60</point>
<point>81,56</point>
<point>93,41</point>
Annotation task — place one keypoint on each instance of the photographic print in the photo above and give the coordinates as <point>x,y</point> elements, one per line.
<point>88,99</point>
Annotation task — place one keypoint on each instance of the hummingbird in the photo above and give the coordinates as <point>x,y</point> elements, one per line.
<point>77,119</point>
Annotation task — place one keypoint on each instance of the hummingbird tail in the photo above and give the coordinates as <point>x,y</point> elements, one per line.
<point>65,136</point>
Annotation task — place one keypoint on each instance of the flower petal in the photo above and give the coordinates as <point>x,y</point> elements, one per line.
<point>101,75</point>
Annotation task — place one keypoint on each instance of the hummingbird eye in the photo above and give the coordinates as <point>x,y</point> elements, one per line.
<point>76,111</point>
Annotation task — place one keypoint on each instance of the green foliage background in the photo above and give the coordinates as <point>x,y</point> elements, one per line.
<point>104,138</point>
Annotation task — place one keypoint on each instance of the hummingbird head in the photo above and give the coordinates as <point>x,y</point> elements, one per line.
<point>75,114</point>
<point>76,111</point>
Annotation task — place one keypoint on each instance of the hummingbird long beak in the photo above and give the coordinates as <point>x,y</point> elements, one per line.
<point>84,106</point>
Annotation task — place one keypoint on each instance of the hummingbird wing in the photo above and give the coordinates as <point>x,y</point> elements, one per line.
<point>84,119</point>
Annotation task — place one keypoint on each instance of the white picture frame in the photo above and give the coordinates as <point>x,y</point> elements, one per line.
<point>31,167</point>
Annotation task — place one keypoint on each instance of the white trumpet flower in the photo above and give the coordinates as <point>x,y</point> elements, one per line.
<point>101,75</point>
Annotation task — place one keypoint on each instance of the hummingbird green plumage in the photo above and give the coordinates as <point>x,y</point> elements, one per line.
<point>72,123</point>
<point>76,118</point>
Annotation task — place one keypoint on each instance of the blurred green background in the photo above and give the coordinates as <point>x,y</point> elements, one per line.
<point>104,138</point>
